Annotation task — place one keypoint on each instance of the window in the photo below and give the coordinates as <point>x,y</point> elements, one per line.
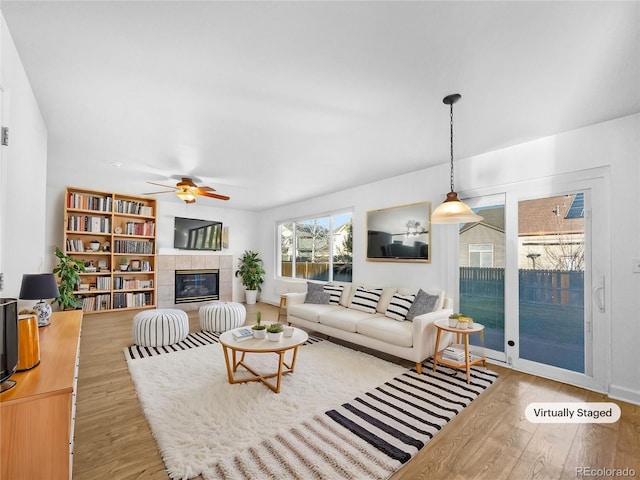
<point>317,248</point>
<point>481,255</point>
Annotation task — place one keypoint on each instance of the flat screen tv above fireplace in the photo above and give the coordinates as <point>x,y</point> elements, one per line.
<point>194,234</point>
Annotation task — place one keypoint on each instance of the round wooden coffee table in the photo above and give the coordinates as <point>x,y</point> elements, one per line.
<point>231,348</point>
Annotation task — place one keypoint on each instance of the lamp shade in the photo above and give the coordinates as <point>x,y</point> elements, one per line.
<point>453,211</point>
<point>38,286</point>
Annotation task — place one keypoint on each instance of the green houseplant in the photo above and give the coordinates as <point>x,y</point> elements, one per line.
<point>259,331</point>
<point>274,331</point>
<point>251,273</point>
<point>68,271</point>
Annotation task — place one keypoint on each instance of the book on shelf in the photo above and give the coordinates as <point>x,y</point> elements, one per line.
<point>83,201</point>
<point>133,207</point>
<point>453,354</point>
<point>96,303</point>
<point>242,334</point>
<point>75,245</point>
<point>131,299</point>
<point>140,228</point>
<point>86,223</point>
<point>144,247</point>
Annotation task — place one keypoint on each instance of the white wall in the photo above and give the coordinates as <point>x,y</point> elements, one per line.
<point>22,225</point>
<point>425,185</point>
<point>243,234</point>
<point>615,144</point>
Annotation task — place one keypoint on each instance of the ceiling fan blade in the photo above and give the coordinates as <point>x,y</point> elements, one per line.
<point>163,191</point>
<point>206,189</point>
<point>214,195</point>
<point>161,185</point>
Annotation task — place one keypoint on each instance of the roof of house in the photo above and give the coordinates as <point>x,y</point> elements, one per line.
<point>542,216</point>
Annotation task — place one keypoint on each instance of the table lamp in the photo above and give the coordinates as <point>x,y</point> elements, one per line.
<point>38,286</point>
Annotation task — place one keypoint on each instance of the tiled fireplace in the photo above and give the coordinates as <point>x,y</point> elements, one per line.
<point>200,286</point>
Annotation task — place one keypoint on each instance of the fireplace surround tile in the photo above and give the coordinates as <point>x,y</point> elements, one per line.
<point>212,261</point>
<point>168,264</point>
<point>183,262</point>
<point>198,261</point>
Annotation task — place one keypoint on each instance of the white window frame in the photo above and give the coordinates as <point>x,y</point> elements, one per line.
<point>471,250</point>
<point>306,218</point>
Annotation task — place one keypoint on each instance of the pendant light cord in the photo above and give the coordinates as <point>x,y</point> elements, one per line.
<point>451,137</point>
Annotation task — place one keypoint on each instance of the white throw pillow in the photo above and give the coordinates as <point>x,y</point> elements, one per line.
<point>399,307</point>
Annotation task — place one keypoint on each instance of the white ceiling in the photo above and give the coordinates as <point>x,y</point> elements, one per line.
<point>273,102</point>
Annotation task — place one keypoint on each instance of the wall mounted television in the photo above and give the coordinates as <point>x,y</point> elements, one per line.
<point>399,234</point>
<point>194,234</point>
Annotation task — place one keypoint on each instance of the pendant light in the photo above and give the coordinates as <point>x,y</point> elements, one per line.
<point>453,210</point>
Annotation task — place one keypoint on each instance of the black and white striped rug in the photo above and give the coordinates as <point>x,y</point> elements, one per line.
<point>193,340</point>
<point>370,437</point>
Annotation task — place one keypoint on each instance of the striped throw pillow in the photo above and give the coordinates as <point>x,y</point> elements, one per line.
<point>366,300</point>
<point>399,306</point>
<point>335,292</point>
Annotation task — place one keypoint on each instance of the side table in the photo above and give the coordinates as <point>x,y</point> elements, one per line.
<point>469,361</point>
<point>283,304</point>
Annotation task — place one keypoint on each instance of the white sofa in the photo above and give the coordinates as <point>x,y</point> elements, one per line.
<point>412,340</point>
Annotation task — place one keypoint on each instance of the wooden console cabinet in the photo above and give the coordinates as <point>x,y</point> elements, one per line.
<point>37,415</point>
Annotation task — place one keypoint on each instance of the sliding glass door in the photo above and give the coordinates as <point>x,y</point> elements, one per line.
<point>534,271</point>
<point>551,283</point>
<point>482,267</point>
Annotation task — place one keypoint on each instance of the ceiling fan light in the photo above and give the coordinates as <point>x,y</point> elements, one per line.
<point>453,211</point>
<point>187,194</point>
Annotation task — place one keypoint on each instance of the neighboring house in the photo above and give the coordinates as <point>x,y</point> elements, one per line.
<point>482,244</point>
<point>550,235</point>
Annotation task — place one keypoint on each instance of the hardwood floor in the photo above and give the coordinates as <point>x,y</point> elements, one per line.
<point>490,439</point>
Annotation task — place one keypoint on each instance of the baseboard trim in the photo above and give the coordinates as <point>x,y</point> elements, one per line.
<point>624,394</point>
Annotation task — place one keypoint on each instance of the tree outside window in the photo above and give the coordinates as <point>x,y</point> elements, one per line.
<point>317,248</point>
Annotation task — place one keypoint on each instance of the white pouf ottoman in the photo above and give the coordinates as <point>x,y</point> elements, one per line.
<point>159,328</point>
<point>221,316</point>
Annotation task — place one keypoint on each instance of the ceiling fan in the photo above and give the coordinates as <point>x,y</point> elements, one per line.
<point>188,191</point>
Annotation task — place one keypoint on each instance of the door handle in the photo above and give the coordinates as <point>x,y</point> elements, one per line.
<point>598,296</point>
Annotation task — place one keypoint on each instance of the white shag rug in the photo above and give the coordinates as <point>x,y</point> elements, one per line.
<point>198,418</point>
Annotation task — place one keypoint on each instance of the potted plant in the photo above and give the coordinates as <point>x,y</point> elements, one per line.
<point>463,322</point>
<point>453,319</point>
<point>68,271</point>
<point>124,264</point>
<point>274,331</point>
<point>259,331</point>
<point>252,274</point>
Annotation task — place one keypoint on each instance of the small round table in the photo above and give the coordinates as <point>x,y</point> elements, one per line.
<point>231,347</point>
<point>468,360</point>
